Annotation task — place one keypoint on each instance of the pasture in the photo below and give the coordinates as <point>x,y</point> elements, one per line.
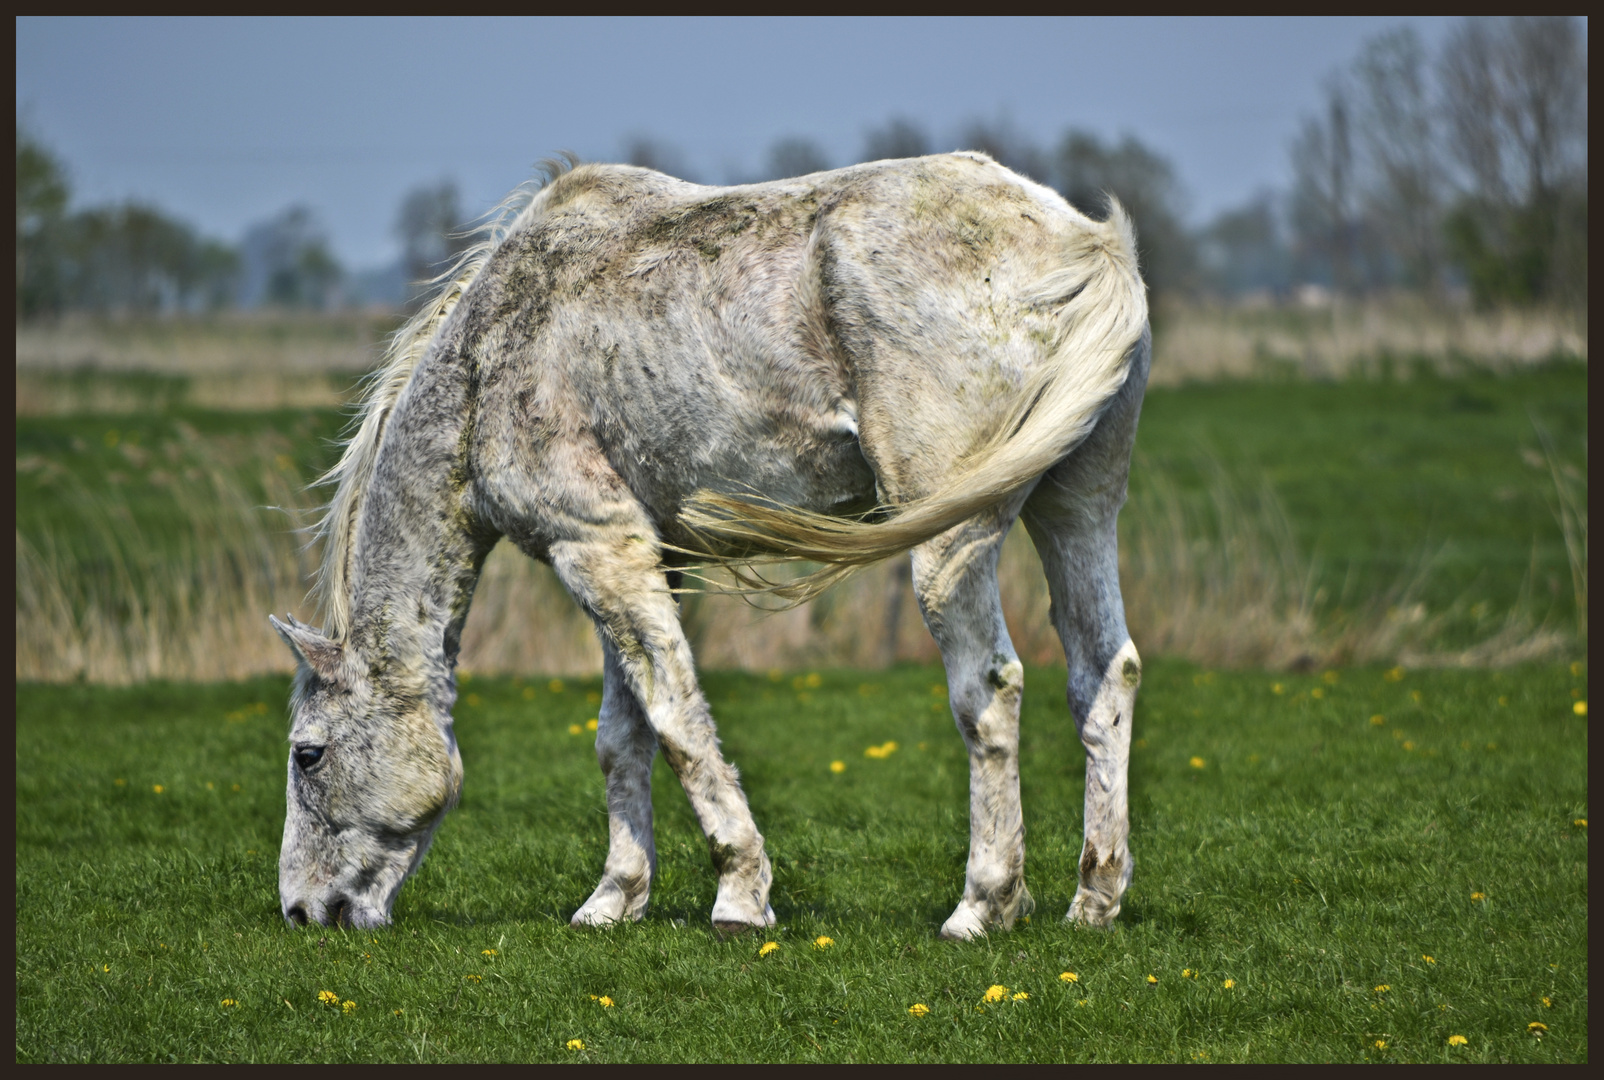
<point>1311,885</point>
<point>1287,541</point>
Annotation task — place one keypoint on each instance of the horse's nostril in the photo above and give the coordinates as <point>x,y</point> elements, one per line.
<point>297,915</point>
<point>337,909</point>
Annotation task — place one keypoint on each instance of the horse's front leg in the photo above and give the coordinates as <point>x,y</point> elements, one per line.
<point>618,581</point>
<point>625,747</point>
<point>955,579</point>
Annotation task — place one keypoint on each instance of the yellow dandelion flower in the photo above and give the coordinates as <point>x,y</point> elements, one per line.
<point>1381,1044</point>
<point>157,788</point>
<point>1331,678</point>
<point>1081,1002</point>
<point>1188,973</point>
<point>768,947</point>
<point>574,729</point>
<point>1069,977</point>
<point>605,1002</point>
<point>348,1007</point>
<point>1478,896</point>
<point>120,783</point>
<point>1580,823</point>
<point>1383,988</point>
<point>529,693</point>
<point>1577,667</point>
<point>919,1009</point>
<point>1196,763</point>
<point>576,1044</point>
<point>838,766</point>
<point>1377,720</point>
<point>1428,959</point>
<point>593,723</point>
<point>328,997</point>
<point>1022,996</point>
<point>995,993</point>
<point>555,686</point>
<point>813,681</point>
<point>1152,980</point>
<point>1229,984</point>
<point>822,942</point>
<point>488,952</point>
<point>1537,1027</point>
<point>1457,1040</point>
<point>1277,688</point>
<point>1317,693</point>
<point>396,1013</point>
<point>474,700</point>
<point>1408,744</point>
<point>1394,675</point>
<point>228,1003</point>
<point>473,978</point>
<point>1548,1003</point>
<point>1579,708</point>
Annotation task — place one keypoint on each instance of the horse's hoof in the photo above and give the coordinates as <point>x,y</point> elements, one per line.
<point>963,925</point>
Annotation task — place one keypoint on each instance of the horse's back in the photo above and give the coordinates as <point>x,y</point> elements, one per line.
<point>825,341</point>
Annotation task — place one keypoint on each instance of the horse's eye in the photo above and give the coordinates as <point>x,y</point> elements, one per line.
<point>308,756</point>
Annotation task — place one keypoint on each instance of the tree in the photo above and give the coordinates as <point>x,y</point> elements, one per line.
<point>1515,93</point>
<point>1088,170</point>
<point>1403,181</point>
<point>1243,251</point>
<point>1008,147</point>
<point>1323,217</point>
<point>287,263</point>
<point>429,225</point>
<point>899,138</point>
<point>650,153</point>
<point>42,194</point>
<point>795,156</point>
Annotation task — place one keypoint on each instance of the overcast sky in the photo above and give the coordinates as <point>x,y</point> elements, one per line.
<point>225,122</point>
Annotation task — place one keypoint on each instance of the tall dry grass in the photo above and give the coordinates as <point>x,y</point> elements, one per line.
<point>260,360</point>
<point>1220,581</point>
<point>1199,341</point>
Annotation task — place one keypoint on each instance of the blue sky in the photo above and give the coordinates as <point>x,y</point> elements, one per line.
<point>227,121</point>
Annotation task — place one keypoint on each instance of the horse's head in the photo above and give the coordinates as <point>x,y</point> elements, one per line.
<point>372,771</point>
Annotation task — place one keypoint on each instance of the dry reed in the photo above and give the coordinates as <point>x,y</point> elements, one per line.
<point>1220,582</point>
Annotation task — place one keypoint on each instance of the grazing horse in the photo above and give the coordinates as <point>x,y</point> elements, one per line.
<point>633,375</point>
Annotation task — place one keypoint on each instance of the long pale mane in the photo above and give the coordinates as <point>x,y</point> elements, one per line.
<point>406,350</point>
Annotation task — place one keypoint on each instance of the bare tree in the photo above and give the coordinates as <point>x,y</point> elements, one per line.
<point>1323,215</point>
<point>651,153</point>
<point>1403,183</point>
<point>1088,170</point>
<point>429,226</point>
<point>1007,146</point>
<point>1515,98</point>
<point>899,138</point>
<point>795,156</point>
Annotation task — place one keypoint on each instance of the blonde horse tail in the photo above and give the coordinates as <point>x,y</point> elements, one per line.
<point>1102,313</point>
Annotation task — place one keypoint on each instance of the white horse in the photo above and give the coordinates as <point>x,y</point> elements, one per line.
<point>634,375</point>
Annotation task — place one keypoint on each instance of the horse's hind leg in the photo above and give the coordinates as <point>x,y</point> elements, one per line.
<point>955,579</point>
<point>625,746</point>
<point>615,576</point>
<point>1071,517</point>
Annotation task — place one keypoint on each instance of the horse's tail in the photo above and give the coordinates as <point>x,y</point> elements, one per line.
<point>1102,313</point>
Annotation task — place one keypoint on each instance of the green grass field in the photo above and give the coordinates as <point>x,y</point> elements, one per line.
<point>1310,885</point>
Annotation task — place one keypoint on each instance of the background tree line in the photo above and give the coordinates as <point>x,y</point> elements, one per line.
<point>1460,172</point>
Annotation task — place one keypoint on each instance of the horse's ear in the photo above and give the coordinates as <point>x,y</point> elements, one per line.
<point>310,646</point>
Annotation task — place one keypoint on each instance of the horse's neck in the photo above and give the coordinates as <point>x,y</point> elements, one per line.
<point>417,552</point>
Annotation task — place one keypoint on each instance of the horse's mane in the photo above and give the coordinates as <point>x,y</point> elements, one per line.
<point>406,350</point>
